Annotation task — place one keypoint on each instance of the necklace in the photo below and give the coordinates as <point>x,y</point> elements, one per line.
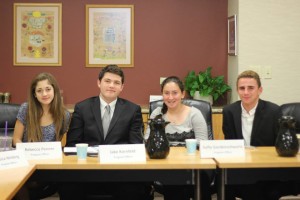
<point>178,116</point>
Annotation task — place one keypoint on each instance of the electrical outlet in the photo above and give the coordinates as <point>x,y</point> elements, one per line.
<point>267,72</point>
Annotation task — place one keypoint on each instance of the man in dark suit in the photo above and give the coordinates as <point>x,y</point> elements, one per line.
<point>255,121</point>
<point>125,127</point>
<point>251,118</point>
<point>264,123</point>
<point>126,117</point>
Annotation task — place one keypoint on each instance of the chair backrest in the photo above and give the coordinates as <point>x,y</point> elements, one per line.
<point>203,106</point>
<point>292,109</point>
<point>8,112</point>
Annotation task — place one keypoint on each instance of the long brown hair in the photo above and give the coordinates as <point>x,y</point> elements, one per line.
<point>35,110</point>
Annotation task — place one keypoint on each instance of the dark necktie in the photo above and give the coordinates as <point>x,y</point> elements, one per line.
<point>106,120</point>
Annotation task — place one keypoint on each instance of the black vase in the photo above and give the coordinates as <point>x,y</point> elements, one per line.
<point>157,145</point>
<point>287,144</point>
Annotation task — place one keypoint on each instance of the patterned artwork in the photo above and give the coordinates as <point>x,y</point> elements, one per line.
<point>37,34</point>
<point>109,35</point>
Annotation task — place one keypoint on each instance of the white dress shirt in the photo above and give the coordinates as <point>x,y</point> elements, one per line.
<point>111,104</point>
<point>247,124</point>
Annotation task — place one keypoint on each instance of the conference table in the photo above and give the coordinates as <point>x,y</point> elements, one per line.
<point>177,168</point>
<point>11,180</point>
<point>259,163</point>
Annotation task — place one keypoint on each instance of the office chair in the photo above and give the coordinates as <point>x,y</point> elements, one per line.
<point>206,111</point>
<point>292,109</point>
<point>8,112</point>
<point>203,106</point>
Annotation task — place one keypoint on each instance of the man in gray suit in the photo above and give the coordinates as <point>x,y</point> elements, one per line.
<point>124,126</point>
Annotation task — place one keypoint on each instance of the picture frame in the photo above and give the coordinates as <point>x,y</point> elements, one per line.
<point>109,35</point>
<point>37,34</point>
<point>232,39</point>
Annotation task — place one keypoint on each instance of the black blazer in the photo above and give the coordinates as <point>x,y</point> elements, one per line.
<point>86,124</point>
<point>265,124</point>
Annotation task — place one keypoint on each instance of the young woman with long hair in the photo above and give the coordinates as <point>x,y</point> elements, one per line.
<point>43,117</point>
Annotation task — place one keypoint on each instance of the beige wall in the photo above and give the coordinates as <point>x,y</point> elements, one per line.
<point>268,36</point>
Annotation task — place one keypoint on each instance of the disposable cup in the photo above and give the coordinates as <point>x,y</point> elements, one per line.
<point>191,146</point>
<point>5,143</point>
<point>81,151</point>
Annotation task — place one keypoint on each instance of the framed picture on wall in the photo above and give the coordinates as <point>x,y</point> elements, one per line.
<point>37,34</point>
<point>109,35</point>
<point>232,40</point>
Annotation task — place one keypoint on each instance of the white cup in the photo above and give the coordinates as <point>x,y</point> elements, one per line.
<point>191,145</point>
<point>81,149</point>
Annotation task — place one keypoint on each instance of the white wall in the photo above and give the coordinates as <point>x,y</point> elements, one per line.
<point>268,36</point>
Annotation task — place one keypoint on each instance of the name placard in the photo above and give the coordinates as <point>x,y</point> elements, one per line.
<point>41,150</point>
<point>222,148</point>
<point>124,153</point>
<point>12,159</point>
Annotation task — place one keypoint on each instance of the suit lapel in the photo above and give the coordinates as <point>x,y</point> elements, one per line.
<point>97,114</point>
<point>257,119</point>
<point>238,121</point>
<point>116,115</point>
